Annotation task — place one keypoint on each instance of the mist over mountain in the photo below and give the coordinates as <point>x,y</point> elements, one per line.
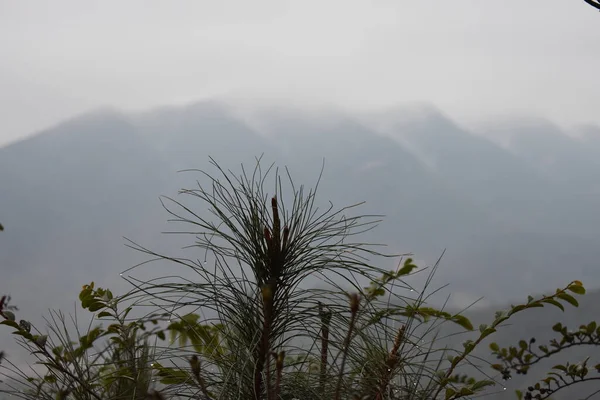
<point>514,219</point>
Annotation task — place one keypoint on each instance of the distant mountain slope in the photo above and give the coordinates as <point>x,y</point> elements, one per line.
<point>186,136</point>
<point>69,194</point>
<point>485,174</point>
<point>569,162</point>
<point>423,212</point>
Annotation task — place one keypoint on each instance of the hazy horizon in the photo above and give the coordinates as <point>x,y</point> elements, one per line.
<point>474,61</point>
<point>471,126</point>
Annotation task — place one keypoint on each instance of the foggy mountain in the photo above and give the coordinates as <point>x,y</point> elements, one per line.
<point>515,220</point>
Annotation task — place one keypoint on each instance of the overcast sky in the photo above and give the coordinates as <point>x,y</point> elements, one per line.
<point>474,59</point>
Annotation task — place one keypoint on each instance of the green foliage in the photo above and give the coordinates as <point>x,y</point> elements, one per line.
<point>271,338</point>
<point>525,354</point>
<point>75,368</point>
<point>5,313</point>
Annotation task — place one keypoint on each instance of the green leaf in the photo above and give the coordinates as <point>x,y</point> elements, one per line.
<point>560,367</point>
<point>87,300</point>
<point>10,323</point>
<point>569,299</point>
<point>516,309</point>
<point>96,306</point>
<point>463,321</point>
<point>494,346</point>
<point>9,315</point>
<point>523,344</point>
<point>114,328</point>
<point>449,393</point>
<point>85,292</point>
<point>519,394</point>
<point>487,332</point>
<point>25,334</point>
<point>190,318</point>
<point>482,384</point>
<point>172,376</point>
<point>103,314</point>
<point>127,310</point>
<point>469,345</point>
<point>407,268</point>
<point>554,303</point>
<point>577,289</point>
<point>161,335</point>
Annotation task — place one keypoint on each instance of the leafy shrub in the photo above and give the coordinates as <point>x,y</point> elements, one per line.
<point>248,327</point>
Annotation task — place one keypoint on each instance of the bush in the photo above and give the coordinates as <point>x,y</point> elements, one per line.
<point>248,327</point>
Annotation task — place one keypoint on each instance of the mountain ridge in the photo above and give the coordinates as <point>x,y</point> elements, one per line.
<point>114,165</point>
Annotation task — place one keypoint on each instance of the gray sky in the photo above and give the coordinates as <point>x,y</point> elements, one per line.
<point>474,59</point>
